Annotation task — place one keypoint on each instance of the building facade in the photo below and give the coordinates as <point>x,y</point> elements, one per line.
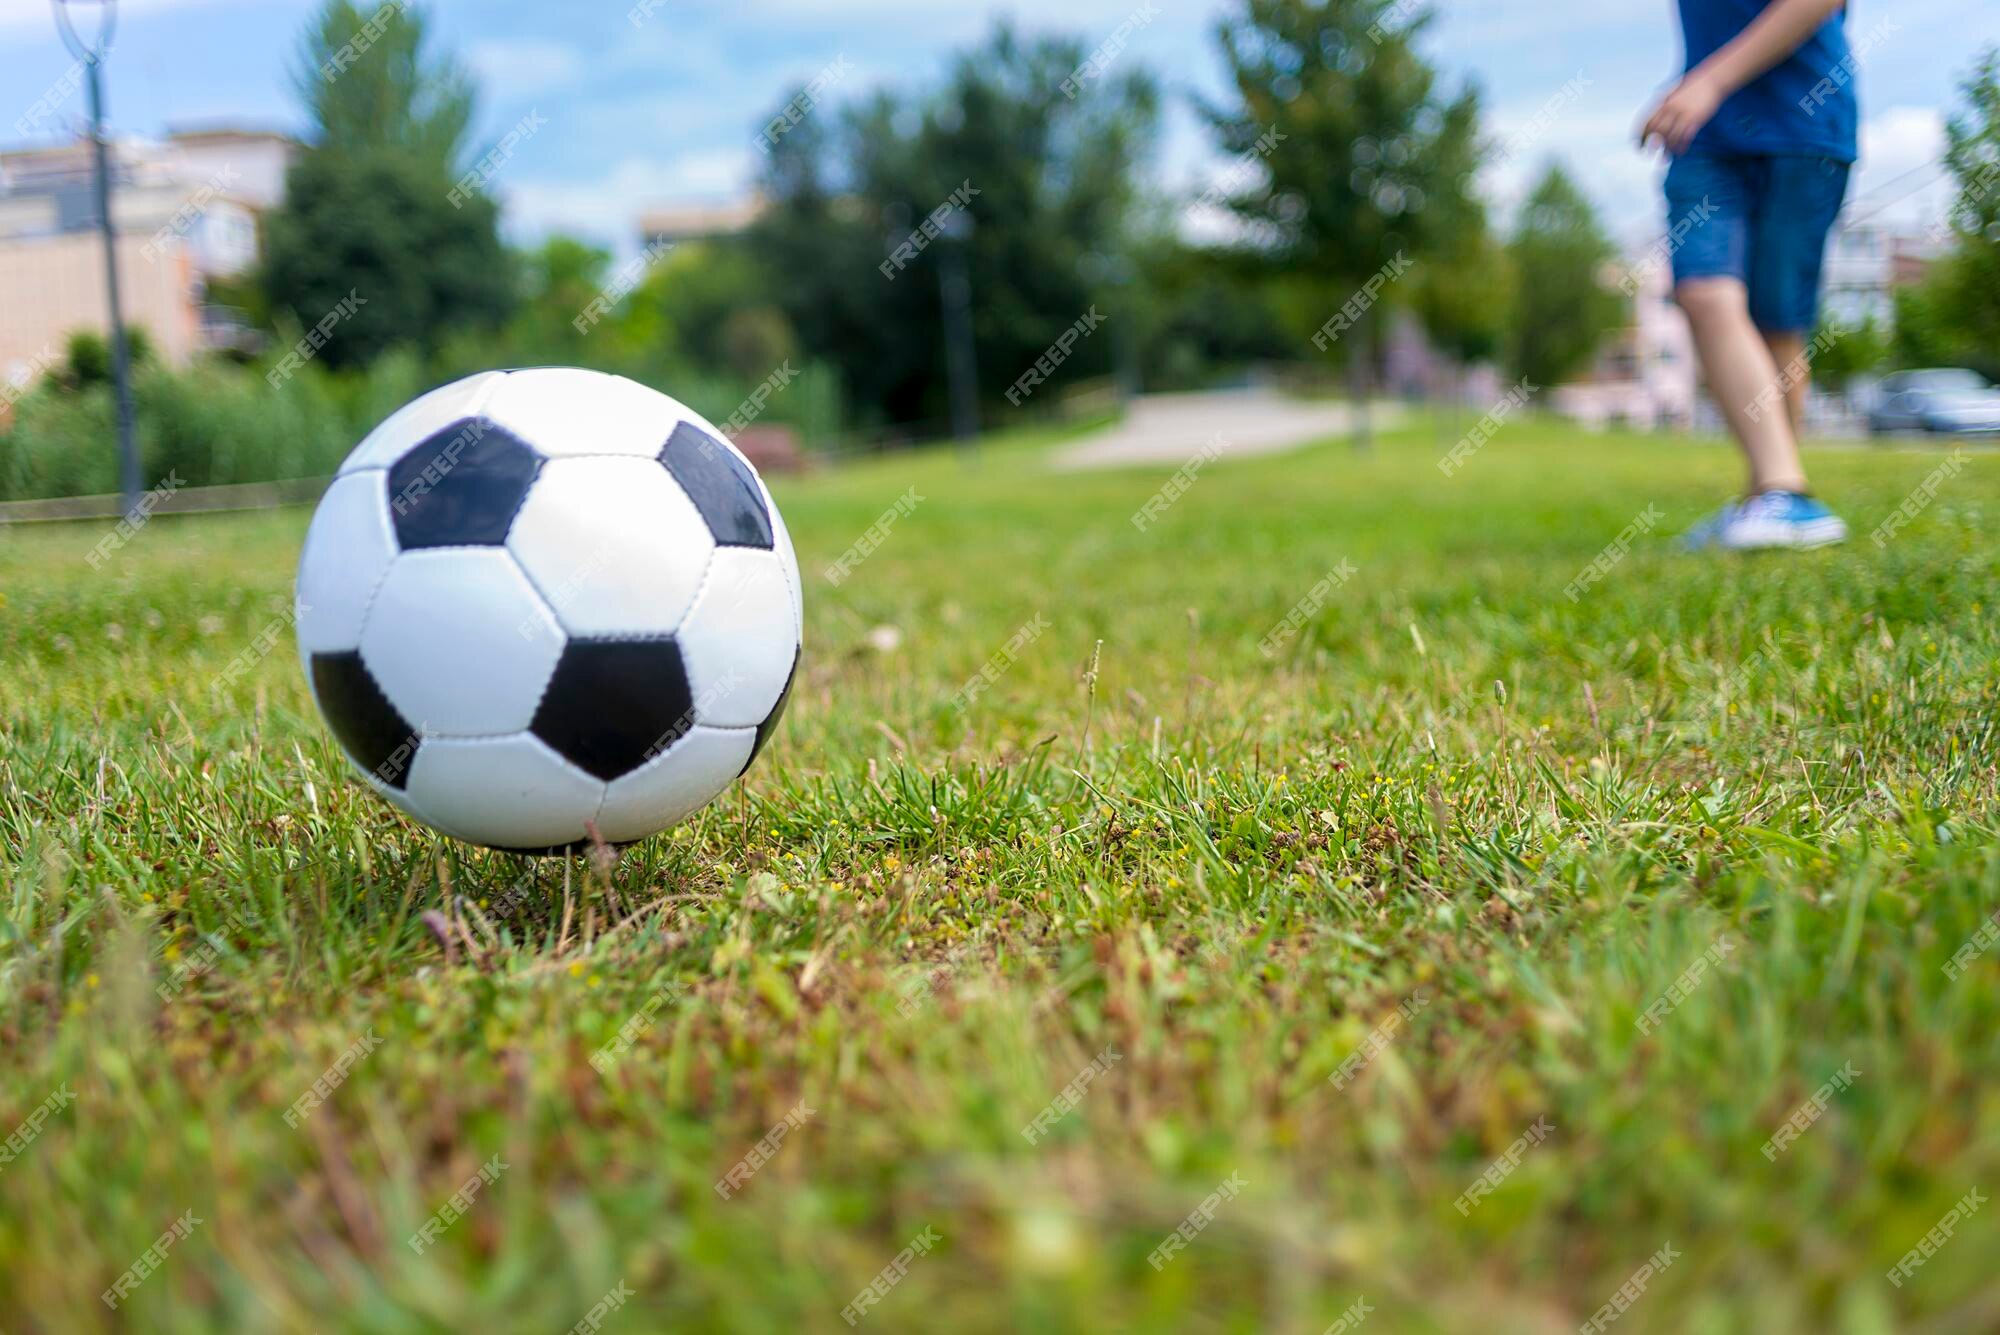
<point>186,210</point>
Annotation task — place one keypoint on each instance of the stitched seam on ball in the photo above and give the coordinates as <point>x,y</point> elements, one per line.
<point>395,554</point>
<point>547,604</point>
<point>460,547</point>
<point>701,589</point>
<point>494,738</point>
<point>486,393</point>
<point>652,457</point>
<point>797,592</point>
<point>507,736</point>
<point>477,407</point>
<point>793,595</point>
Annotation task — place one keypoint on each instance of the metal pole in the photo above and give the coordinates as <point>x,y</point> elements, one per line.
<point>961,362</point>
<point>91,54</point>
<point>121,368</point>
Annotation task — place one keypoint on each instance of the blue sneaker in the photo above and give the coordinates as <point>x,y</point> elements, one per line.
<point>1780,519</point>
<point>1708,533</point>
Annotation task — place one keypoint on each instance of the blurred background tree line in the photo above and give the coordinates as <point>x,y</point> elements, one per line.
<point>1347,156</point>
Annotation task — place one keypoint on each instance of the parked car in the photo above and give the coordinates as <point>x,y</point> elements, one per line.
<point>1936,400</point>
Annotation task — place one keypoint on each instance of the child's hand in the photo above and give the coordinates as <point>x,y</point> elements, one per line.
<point>1681,114</point>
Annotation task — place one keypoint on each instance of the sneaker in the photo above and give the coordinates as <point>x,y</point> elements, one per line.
<point>1708,533</point>
<point>1780,519</point>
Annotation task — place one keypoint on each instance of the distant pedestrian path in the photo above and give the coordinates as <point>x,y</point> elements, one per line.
<point>1173,428</point>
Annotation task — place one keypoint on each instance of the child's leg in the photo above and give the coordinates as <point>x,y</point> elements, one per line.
<point>1711,208</point>
<point>1788,350</point>
<point>1794,205</point>
<point>1742,379</point>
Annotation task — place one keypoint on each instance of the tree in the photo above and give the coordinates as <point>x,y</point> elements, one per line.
<point>1562,308</point>
<point>865,201</point>
<point>372,225</point>
<point>1842,352</point>
<point>1465,297</point>
<point>368,82</point>
<point>713,304</point>
<point>1367,165</point>
<point>1924,335</point>
<point>1207,312</point>
<point>1965,288</point>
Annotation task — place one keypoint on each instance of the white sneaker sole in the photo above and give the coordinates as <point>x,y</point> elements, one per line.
<point>1754,535</point>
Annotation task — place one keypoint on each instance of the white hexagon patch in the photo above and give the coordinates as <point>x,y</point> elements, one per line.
<point>511,792</point>
<point>739,641</point>
<point>565,411</point>
<point>614,546</point>
<point>348,547</point>
<point>673,785</point>
<point>460,642</point>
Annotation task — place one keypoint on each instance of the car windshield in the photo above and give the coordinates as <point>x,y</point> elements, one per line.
<point>1948,382</point>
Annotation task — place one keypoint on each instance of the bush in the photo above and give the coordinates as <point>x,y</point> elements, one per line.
<point>62,444</point>
<point>89,356</point>
<point>213,423</point>
<point>217,422</point>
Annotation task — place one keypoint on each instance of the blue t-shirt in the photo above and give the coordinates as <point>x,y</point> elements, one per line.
<point>1804,104</point>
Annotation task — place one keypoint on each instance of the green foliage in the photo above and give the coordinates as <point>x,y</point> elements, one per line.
<point>1054,176</point>
<point>1758,794</point>
<point>87,359</point>
<point>1465,296</point>
<point>62,444</point>
<point>376,232</point>
<point>371,216</point>
<point>1964,289</point>
<point>711,306</point>
<point>384,92</point>
<point>1375,158</point>
<point>1562,309</point>
<point>1846,351</point>
<point>213,423</point>
<point>1927,331</point>
<point>1208,313</point>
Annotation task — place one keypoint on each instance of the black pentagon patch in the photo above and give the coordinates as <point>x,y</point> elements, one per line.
<point>612,705</point>
<point>368,726</point>
<point>721,486</point>
<point>770,723</point>
<point>462,487</point>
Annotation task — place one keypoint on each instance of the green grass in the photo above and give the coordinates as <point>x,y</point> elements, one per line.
<point>1457,795</point>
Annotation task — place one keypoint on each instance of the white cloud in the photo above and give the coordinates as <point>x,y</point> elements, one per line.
<point>511,68</point>
<point>1900,179</point>
<point>607,208</point>
<point>1594,142</point>
<point>40,14</point>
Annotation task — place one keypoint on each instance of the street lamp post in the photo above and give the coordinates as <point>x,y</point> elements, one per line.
<point>961,359</point>
<point>91,56</point>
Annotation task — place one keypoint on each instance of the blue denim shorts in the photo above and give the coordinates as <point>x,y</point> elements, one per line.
<point>1762,220</point>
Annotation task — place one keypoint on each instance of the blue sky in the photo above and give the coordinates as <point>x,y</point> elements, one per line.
<point>665,111</point>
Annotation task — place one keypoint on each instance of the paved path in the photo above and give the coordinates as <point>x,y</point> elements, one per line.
<point>1173,428</point>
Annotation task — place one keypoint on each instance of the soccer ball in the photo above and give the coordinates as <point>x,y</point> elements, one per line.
<point>538,607</point>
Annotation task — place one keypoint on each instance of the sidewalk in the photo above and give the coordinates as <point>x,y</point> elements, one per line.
<point>1173,428</point>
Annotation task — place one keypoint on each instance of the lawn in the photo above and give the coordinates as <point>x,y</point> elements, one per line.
<point>1465,957</point>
